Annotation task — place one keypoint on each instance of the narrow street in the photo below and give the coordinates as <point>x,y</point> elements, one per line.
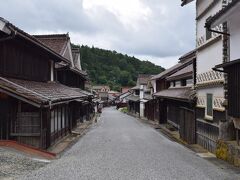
<point>121,147</point>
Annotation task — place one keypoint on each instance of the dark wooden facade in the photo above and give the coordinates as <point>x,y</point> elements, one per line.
<point>70,78</point>
<point>20,59</point>
<point>152,110</point>
<point>134,107</point>
<point>233,89</point>
<point>161,84</point>
<point>24,116</point>
<point>207,132</point>
<point>181,116</point>
<point>38,127</point>
<point>149,110</point>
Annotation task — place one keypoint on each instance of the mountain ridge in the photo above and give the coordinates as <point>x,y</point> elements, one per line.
<point>113,68</point>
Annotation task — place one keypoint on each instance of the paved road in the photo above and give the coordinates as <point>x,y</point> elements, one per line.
<point>121,147</point>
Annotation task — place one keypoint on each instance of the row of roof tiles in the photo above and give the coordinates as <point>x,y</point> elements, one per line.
<point>40,93</point>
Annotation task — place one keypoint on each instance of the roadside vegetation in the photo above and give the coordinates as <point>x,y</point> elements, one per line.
<point>113,68</point>
<point>124,110</point>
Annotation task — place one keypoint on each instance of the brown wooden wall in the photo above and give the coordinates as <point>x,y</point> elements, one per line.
<point>71,79</point>
<point>187,125</point>
<point>61,123</point>
<point>234,90</point>
<point>150,110</point>
<point>161,84</point>
<point>207,132</point>
<point>18,59</point>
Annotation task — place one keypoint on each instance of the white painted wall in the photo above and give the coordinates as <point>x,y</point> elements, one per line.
<point>216,91</point>
<point>141,91</point>
<point>202,5</point>
<point>154,86</point>
<point>201,30</point>
<point>142,107</point>
<point>209,57</point>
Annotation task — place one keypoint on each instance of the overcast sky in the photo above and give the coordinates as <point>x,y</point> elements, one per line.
<point>156,30</point>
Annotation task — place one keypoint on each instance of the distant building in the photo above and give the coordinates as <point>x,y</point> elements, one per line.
<point>113,93</point>
<point>125,89</point>
<point>140,95</point>
<point>101,88</point>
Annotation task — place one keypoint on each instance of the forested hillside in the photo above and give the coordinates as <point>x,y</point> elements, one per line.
<point>114,69</point>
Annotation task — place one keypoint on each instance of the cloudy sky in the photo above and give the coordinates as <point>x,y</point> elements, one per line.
<point>155,30</point>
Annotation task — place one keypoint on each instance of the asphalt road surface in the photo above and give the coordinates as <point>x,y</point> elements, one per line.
<point>121,147</point>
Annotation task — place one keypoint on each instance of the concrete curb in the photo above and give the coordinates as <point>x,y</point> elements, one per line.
<point>74,136</point>
<point>28,149</point>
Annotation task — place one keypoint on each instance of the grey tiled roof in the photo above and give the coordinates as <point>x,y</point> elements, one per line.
<point>185,93</point>
<point>167,71</point>
<point>187,71</point>
<point>56,42</point>
<point>144,78</point>
<point>133,98</point>
<point>147,96</point>
<point>135,88</point>
<point>39,92</point>
<point>83,91</point>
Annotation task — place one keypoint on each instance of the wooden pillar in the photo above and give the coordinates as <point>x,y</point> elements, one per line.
<point>237,134</point>
<point>45,127</point>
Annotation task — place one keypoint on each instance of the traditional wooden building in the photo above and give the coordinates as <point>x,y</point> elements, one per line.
<point>121,100</point>
<point>179,99</point>
<point>229,17</point>
<point>70,74</point>
<point>159,83</point>
<point>212,123</point>
<point>136,102</point>
<point>34,108</point>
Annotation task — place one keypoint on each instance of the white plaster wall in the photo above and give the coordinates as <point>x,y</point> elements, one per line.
<point>209,57</point>
<point>141,91</point>
<point>216,91</point>
<point>202,5</point>
<point>142,107</point>
<point>201,31</point>
<point>234,29</point>
<point>178,84</point>
<point>154,86</point>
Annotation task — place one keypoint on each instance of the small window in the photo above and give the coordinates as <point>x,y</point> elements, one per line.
<point>209,110</point>
<point>208,33</point>
<point>183,82</point>
<point>137,92</point>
